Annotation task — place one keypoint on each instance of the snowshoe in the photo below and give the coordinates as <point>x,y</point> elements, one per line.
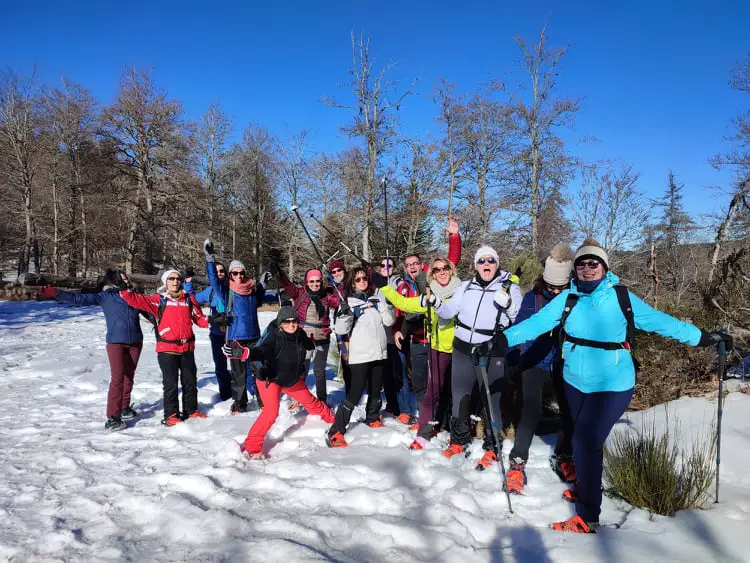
<point>256,456</point>
<point>577,525</point>
<point>418,444</point>
<point>128,413</point>
<point>454,449</point>
<point>488,459</point>
<point>114,423</point>
<point>377,423</point>
<point>571,495</point>
<point>196,414</point>
<point>336,440</point>
<point>515,478</point>
<point>564,467</point>
<point>405,418</point>
<point>238,408</point>
<point>172,419</point>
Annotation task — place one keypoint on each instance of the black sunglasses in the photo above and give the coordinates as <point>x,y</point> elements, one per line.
<point>590,264</point>
<point>438,269</point>
<point>489,260</point>
<point>233,274</point>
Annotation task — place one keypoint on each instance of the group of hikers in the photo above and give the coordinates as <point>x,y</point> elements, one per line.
<point>440,349</point>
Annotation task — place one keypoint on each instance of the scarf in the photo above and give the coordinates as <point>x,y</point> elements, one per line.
<point>242,288</point>
<point>482,283</point>
<point>445,292</point>
<point>315,297</point>
<point>588,286</point>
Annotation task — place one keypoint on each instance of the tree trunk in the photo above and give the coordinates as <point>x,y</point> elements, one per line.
<point>55,223</point>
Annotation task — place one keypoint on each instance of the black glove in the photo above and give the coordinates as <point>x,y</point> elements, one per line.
<point>220,320</point>
<point>713,338</point>
<point>189,272</point>
<point>378,280</point>
<point>344,308</point>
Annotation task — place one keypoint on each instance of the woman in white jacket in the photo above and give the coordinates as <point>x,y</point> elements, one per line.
<point>364,320</point>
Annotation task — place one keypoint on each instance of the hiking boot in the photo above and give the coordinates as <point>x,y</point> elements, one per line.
<point>114,423</point>
<point>453,449</point>
<point>576,525</point>
<point>405,418</point>
<point>128,413</point>
<point>377,423</point>
<point>515,478</point>
<point>414,427</point>
<point>197,414</point>
<point>571,495</point>
<point>336,441</point>
<point>172,419</point>
<point>418,444</point>
<point>564,467</point>
<point>256,455</point>
<point>488,459</point>
<point>238,408</point>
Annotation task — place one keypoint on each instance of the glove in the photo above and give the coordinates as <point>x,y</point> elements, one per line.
<point>208,250</point>
<point>189,272</point>
<point>344,309</point>
<point>273,267</point>
<point>430,301</point>
<point>227,349</point>
<point>502,299</point>
<point>494,347</point>
<point>48,292</point>
<point>714,338</point>
<point>236,351</point>
<point>220,320</point>
<point>378,280</point>
<point>265,277</point>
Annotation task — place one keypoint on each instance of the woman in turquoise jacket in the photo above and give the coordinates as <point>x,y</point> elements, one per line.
<point>598,382</point>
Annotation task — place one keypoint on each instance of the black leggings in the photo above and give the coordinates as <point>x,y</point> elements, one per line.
<point>180,367</point>
<point>368,375</point>
<point>319,368</point>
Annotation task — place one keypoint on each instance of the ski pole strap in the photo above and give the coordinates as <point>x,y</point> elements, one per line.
<point>595,343</point>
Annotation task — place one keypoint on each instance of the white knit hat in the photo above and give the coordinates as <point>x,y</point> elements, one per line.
<point>558,266</point>
<point>485,251</point>
<point>236,265</point>
<point>592,249</point>
<point>164,276</point>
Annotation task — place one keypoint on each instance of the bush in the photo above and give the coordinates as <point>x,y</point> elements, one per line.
<point>650,470</point>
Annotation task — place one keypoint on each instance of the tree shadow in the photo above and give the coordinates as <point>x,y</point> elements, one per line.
<point>15,314</point>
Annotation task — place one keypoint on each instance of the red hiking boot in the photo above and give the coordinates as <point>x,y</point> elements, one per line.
<point>515,478</point>
<point>197,414</point>
<point>405,418</point>
<point>171,420</point>
<point>575,525</point>
<point>453,449</point>
<point>418,444</point>
<point>571,495</point>
<point>414,427</point>
<point>488,459</point>
<point>564,467</point>
<point>336,441</point>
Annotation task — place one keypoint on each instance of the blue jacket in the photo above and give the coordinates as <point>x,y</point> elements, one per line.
<point>597,316</point>
<point>244,311</point>
<point>208,295</point>
<point>123,325</point>
<point>541,351</point>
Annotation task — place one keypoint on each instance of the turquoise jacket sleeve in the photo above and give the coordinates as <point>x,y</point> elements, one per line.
<point>651,320</point>
<point>539,323</point>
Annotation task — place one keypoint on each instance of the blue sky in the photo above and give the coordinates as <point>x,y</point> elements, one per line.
<point>653,74</point>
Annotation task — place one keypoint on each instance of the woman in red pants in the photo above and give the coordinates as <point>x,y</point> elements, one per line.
<point>284,352</point>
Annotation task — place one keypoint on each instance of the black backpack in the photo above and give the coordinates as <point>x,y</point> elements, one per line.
<point>623,298</point>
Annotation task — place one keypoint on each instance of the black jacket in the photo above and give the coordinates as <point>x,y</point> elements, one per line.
<point>283,355</point>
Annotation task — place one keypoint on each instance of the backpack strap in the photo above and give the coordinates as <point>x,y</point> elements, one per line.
<point>160,314</point>
<point>623,298</point>
<point>570,302</point>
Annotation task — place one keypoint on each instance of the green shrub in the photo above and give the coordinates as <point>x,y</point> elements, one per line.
<point>531,269</point>
<point>650,470</point>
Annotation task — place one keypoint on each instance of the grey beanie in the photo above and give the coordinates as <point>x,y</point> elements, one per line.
<point>285,313</point>
<point>592,249</point>
<point>237,265</point>
<point>558,266</point>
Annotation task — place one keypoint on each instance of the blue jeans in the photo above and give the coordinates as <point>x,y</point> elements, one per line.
<point>594,415</point>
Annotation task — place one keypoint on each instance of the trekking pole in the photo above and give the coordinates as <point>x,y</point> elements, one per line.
<point>428,322</point>
<point>330,232</point>
<point>385,203</point>
<point>722,348</point>
<point>483,361</point>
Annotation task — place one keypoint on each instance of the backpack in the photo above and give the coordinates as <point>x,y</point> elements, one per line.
<point>623,298</point>
<point>156,321</point>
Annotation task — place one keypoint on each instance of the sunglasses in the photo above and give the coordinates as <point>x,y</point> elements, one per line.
<point>410,264</point>
<point>233,274</point>
<point>557,287</point>
<point>489,260</point>
<point>290,322</point>
<point>313,281</point>
<point>219,271</point>
<point>336,270</point>
<point>173,278</point>
<point>360,279</point>
<point>438,269</point>
<point>590,264</point>
<point>390,266</point>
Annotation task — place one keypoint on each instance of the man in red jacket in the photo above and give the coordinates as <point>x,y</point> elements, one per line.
<point>175,312</point>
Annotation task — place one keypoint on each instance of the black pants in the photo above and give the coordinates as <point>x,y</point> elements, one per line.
<point>418,359</point>
<point>223,378</point>
<point>346,371</point>
<point>180,367</point>
<point>392,380</point>
<point>533,381</point>
<point>319,368</point>
<point>464,375</point>
<point>239,373</point>
<point>368,375</point>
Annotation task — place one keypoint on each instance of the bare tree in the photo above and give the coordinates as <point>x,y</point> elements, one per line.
<point>447,102</point>
<point>542,161</point>
<point>211,144</point>
<point>375,104</point>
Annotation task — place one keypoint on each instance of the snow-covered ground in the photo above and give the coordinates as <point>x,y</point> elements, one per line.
<point>70,491</point>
